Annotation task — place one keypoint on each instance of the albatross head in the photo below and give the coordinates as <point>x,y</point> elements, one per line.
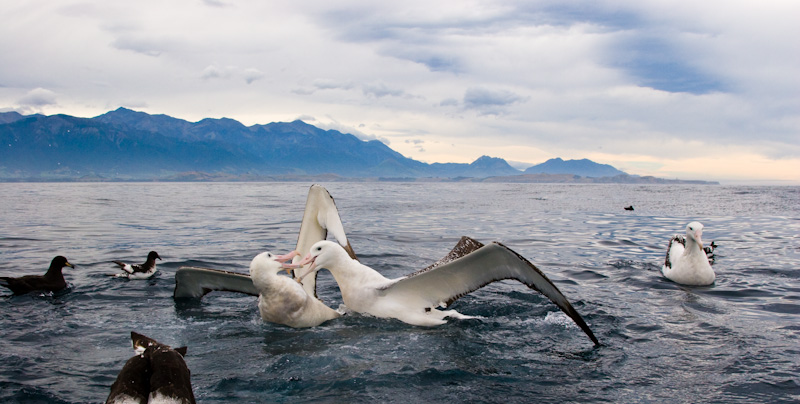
<point>322,255</point>
<point>271,263</point>
<point>694,231</point>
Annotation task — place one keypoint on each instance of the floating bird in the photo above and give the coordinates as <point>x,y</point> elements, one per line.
<point>51,281</point>
<point>156,374</point>
<point>139,271</point>
<point>282,300</point>
<point>686,262</point>
<point>629,207</point>
<point>319,218</point>
<point>414,299</point>
<point>709,250</point>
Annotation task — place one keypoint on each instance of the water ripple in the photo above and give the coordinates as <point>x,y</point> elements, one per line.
<point>735,341</point>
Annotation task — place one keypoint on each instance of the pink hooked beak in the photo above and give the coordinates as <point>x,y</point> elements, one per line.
<point>286,257</point>
<point>698,236</point>
<point>307,259</point>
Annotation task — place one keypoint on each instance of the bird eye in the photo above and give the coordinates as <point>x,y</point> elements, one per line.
<point>319,248</point>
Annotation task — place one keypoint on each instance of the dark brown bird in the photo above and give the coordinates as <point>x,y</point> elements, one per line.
<point>156,374</point>
<point>52,281</point>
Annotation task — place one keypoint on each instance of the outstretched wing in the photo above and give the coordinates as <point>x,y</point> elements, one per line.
<point>194,282</point>
<point>319,218</point>
<point>444,284</point>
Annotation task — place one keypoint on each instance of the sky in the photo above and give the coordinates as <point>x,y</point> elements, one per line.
<point>705,90</point>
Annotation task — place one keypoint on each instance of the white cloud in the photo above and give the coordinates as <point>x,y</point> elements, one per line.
<point>543,78</point>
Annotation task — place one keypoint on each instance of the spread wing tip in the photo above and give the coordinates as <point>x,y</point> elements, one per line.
<point>541,283</point>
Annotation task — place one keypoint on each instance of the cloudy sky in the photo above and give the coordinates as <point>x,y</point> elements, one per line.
<point>676,89</point>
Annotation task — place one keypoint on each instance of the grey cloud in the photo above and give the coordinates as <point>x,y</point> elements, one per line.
<point>381,90</point>
<point>417,144</point>
<point>328,84</point>
<point>654,60</point>
<point>436,60</point>
<point>448,102</point>
<point>144,46</point>
<point>324,84</point>
<point>215,3</point>
<point>214,72</point>
<point>38,97</point>
<point>302,91</point>
<point>489,100</point>
<point>252,74</point>
<point>249,75</point>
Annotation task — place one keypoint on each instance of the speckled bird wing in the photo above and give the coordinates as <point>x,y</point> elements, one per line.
<point>440,285</point>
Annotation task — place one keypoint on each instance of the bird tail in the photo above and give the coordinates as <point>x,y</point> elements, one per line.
<point>123,266</point>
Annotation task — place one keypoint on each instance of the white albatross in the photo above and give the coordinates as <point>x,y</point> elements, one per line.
<point>319,218</point>
<point>283,300</point>
<point>687,262</point>
<point>414,299</point>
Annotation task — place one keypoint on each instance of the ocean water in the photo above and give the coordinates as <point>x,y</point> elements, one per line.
<point>737,341</point>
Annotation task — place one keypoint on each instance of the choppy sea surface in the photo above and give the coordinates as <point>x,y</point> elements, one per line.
<point>737,341</point>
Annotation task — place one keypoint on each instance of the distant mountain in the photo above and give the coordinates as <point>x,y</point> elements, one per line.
<point>8,117</point>
<point>130,145</point>
<point>125,144</point>
<point>584,168</point>
<point>484,166</point>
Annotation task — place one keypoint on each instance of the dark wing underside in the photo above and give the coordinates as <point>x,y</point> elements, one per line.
<point>471,266</point>
<point>194,282</point>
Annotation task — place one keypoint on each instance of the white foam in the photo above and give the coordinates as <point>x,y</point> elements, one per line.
<point>559,318</point>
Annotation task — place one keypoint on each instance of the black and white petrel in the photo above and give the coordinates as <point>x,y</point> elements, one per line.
<point>156,374</point>
<point>52,281</point>
<point>139,271</point>
<point>709,250</point>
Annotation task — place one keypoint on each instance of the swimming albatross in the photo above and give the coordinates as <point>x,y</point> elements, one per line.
<point>319,218</point>
<point>414,298</point>
<point>283,300</point>
<point>687,262</point>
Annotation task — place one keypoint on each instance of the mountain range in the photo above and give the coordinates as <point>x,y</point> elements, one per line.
<point>130,145</point>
